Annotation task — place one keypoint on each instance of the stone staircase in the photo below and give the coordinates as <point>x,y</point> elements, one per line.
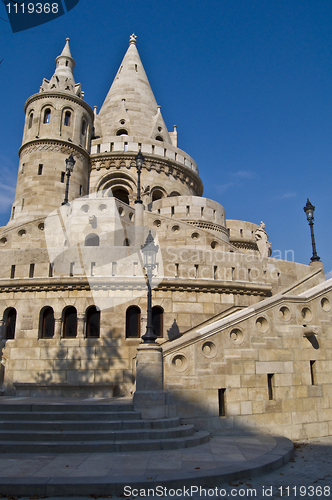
<point>89,428</point>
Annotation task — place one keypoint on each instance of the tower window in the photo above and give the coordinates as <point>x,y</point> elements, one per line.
<point>40,169</point>
<point>122,131</point>
<point>62,177</point>
<point>47,323</point>
<point>67,118</point>
<point>12,271</point>
<point>159,138</point>
<point>30,120</point>
<point>47,115</point>
<point>70,322</point>
<point>10,323</point>
<point>133,322</point>
<point>31,270</point>
<point>83,127</point>
<point>66,63</point>
<point>93,322</point>
<point>91,240</point>
<point>157,320</point>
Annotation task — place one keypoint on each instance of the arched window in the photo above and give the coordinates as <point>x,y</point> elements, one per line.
<point>157,320</point>
<point>66,121</point>
<point>126,242</point>
<point>157,194</point>
<point>9,321</point>
<point>47,115</point>
<point>159,138</point>
<point>92,322</point>
<point>174,193</point>
<point>133,322</point>
<point>83,131</point>
<point>70,322</point>
<point>30,120</point>
<point>47,323</point>
<point>92,240</point>
<point>121,194</point>
<point>122,131</point>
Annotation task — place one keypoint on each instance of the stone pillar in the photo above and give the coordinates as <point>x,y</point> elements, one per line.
<point>139,214</point>
<point>80,326</point>
<point>57,328</point>
<point>149,397</point>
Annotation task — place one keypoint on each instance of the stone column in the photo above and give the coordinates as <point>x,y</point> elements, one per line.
<point>80,326</point>
<point>57,328</point>
<point>149,397</point>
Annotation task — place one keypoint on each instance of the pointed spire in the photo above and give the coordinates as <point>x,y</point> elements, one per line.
<point>63,78</point>
<point>130,104</point>
<point>66,49</point>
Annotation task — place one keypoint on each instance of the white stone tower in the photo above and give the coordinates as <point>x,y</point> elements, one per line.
<point>58,122</point>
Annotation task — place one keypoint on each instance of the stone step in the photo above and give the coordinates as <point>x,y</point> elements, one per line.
<point>199,437</point>
<point>96,425</point>
<point>69,415</point>
<point>68,407</point>
<point>93,435</point>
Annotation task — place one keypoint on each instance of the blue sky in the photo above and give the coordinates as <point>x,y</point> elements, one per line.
<point>248,84</point>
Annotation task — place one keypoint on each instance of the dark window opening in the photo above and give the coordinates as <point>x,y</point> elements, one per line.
<point>62,177</point>
<point>157,320</point>
<point>71,270</point>
<point>157,195</point>
<point>122,131</point>
<point>70,322</point>
<point>30,120</point>
<point>40,169</point>
<point>47,116</point>
<point>313,372</point>
<point>92,240</point>
<point>67,118</point>
<point>121,194</point>
<point>50,270</point>
<point>93,322</point>
<point>159,138</point>
<point>222,402</point>
<point>47,323</point>
<point>126,242</point>
<point>10,323</point>
<point>83,131</point>
<point>31,270</point>
<point>12,271</point>
<point>133,322</point>
<point>270,385</point>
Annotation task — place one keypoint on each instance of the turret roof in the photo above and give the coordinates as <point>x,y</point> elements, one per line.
<point>63,78</point>
<point>130,105</point>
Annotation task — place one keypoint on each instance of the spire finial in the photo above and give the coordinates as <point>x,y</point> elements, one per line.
<point>132,39</point>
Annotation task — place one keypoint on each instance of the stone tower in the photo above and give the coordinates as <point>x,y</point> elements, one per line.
<point>58,122</point>
<point>130,120</point>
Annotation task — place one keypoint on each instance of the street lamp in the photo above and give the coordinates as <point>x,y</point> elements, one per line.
<point>139,165</point>
<point>70,163</point>
<point>149,251</point>
<point>309,210</point>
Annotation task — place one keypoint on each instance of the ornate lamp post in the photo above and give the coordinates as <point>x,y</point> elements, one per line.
<point>309,210</point>
<point>139,165</point>
<point>70,163</point>
<point>149,250</point>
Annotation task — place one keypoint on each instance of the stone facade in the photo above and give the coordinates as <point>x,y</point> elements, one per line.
<point>245,338</point>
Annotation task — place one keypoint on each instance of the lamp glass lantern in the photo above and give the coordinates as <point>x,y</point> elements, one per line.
<point>70,163</point>
<point>309,210</point>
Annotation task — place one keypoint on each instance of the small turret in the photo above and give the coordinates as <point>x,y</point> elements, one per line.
<point>58,123</point>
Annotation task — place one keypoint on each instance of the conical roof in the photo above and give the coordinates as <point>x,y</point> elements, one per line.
<point>63,78</point>
<point>130,107</point>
